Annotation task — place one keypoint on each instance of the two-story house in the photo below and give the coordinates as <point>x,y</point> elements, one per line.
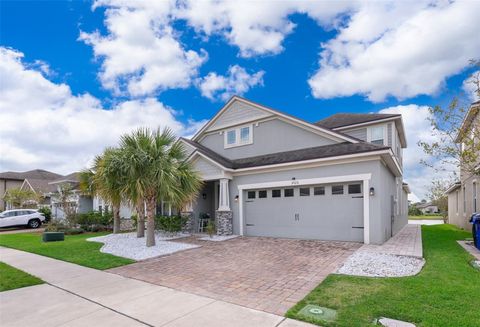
<point>463,196</point>
<point>267,173</point>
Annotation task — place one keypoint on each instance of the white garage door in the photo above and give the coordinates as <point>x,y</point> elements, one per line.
<point>323,212</point>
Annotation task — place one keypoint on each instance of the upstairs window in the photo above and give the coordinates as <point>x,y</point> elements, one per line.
<point>377,135</point>
<point>238,136</point>
<point>231,137</point>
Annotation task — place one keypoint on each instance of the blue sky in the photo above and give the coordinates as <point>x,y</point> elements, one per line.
<point>309,59</point>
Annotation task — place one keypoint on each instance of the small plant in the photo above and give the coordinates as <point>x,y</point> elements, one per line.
<point>95,221</point>
<point>211,229</point>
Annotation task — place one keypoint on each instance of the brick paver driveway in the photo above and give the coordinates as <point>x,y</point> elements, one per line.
<point>260,273</point>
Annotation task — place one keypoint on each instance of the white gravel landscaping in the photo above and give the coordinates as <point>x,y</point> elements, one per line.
<point>218,238</point>
<point>372,264</point>
<point>127,245</point>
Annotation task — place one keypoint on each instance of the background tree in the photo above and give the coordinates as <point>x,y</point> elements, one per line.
<point>156,164</point>
<point>18,198</point>
<point>446,123</point>
<point>67,202</point>
<point>438,197</point>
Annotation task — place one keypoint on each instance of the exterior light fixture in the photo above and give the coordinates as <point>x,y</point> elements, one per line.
<point>293,178</point>
<point>204,196</point>
<point>372,191</point>
<point>236,198</point>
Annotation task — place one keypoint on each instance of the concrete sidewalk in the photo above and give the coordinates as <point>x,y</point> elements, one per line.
<point>80,296</point>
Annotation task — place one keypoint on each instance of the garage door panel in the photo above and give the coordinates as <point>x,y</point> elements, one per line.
<point>327,217</point>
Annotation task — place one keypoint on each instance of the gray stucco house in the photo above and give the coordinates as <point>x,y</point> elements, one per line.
<point>267,173</point>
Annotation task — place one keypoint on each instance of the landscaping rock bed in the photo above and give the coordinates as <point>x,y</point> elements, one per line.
<point>372,264</point>
<point>127,245</point>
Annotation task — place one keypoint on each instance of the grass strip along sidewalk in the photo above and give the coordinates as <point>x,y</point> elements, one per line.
<point>12,278</point>
<point>445,293</point>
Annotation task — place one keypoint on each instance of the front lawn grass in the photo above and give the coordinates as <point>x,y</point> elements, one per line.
<point>12,278</point>
<point>74,249</point>
<point>445,293</point>
<point>426,217</point>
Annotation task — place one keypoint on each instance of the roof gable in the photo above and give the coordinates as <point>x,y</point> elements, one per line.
<point>254,111</point>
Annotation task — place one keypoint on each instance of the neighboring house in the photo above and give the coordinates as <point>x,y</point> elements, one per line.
<point>463,196</point>
<point>37,180</point>
<point>100,205</point>
<point>427,207</point>
<point>267,173</point>
<point>82,202</point>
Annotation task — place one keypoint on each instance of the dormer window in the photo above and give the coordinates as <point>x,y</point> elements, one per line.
<point>238,136</point>
<point>377,135</point>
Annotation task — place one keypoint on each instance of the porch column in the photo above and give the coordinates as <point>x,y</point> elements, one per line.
<point>223,215</point>
<point>224,196</point>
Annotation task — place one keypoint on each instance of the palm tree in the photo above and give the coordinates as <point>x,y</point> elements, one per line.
<point>106,180</point>
<point>155,164</point>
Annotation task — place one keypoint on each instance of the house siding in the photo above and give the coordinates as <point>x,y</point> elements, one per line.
<point>268,137</point>
<point>238,112</point>
<point>360,134</point>
<point>7,184</point>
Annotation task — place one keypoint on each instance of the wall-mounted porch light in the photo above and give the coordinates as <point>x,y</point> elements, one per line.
<point>204,196</point>
<point>236,198</point>
<point>372,191</point>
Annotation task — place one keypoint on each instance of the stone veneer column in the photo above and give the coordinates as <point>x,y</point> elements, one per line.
<point>224,216</point>
<point>188,227</point>
<point>224,222</point>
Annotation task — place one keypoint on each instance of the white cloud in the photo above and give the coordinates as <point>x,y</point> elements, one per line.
<point>418,128</point>
<point>256,27</point>
<point>141,54</point>
<point>45,126</point>
<point>237,81</point>
<point>470,87</point>
<point>399,49</point>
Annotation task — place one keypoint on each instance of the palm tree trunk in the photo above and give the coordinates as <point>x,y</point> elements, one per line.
<point>116,219</point>
<point>140,219</point>
<point>151,205</point>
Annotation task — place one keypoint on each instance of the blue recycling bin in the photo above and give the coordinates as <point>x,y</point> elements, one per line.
<point>475,221</point>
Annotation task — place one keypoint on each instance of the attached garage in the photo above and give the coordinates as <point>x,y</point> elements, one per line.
<point>305,210</point>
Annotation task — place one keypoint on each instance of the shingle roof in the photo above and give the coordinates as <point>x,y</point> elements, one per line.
<point>340,120</point>
<point>41,185</point>
<point>73,177</point>
<point>209,153</point>
<point>318,152</point>
<point>33,174</point>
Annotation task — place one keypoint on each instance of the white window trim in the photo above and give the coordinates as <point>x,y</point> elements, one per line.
<point>238,141</point>
<point>385,133</point>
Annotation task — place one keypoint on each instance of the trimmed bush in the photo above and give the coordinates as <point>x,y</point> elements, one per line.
<point>95,221</point>
<point>170,224</point>
<point>47,212</point>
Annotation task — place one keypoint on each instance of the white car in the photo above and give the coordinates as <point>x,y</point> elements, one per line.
<point>21,217</point>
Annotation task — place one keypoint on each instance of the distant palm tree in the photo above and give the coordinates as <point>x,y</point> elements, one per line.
<point>155,167</point>
<point>106,180</point>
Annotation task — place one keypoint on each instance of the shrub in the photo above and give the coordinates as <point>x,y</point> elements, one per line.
<point>170,224</point>
<point>211,229</point>
<point>95,221</point>
<point>73,231</point>
<point>134,219</point>
<point>47,212</point>
<point>56,225</point>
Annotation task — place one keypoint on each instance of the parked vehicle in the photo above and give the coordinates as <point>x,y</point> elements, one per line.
<point>21,217</point>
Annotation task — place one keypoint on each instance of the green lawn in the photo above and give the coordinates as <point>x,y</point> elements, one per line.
<point>12,278</point>
<point>445,293</point>
<point>426,217</point>
<point>74,249</point>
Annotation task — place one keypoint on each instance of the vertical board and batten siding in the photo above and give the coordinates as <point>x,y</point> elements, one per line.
<point>236,113</point>
<point>360,134</point>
